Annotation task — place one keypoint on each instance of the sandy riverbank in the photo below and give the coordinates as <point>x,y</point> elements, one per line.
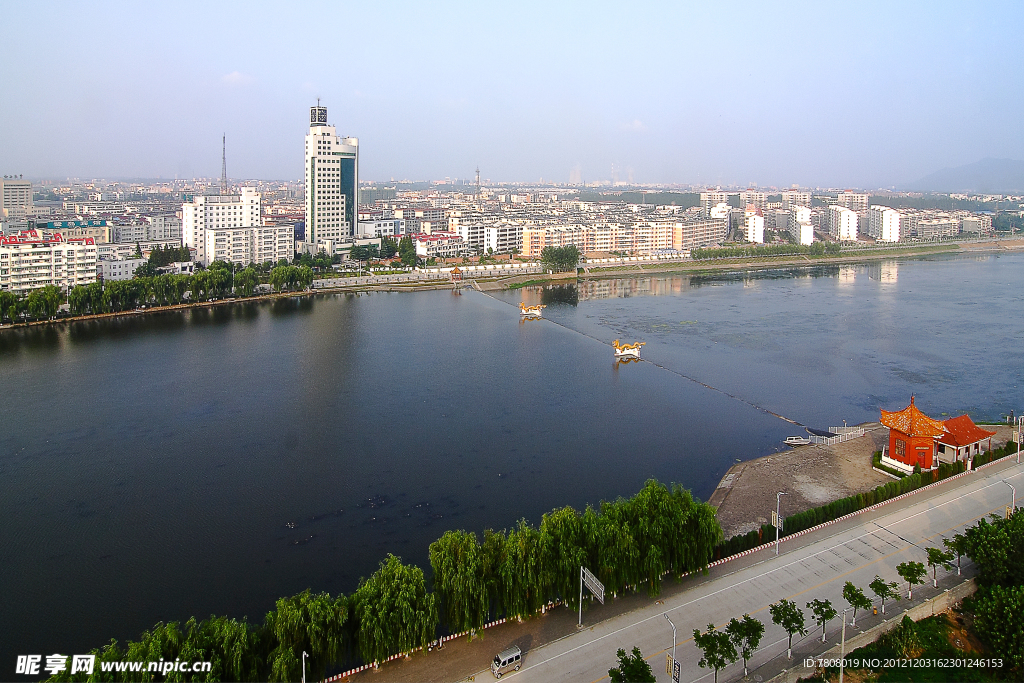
<point>809,475</point>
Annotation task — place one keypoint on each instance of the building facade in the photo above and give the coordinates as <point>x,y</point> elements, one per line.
<point>842,223</point>
<point>331,180</point>
<point>15,198</point>
<point>218,212</point>
<point>28,261</point>
<point>884,223</point>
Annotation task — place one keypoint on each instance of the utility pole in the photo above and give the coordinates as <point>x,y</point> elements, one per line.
<point>673,640</point>
<point>778,522</point>
<point>304,655</point>
<point>842,647</point>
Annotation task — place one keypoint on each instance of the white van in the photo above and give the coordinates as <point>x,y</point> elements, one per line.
<point>508,660</point>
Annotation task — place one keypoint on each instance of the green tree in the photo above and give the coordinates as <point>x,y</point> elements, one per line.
<point>632,668</point>
<point>958,547</point>
<point>457,561</point>
<point>311,623</point>
<point>823,612</point>
<point>786,614</point>
<point>884,590</point>
<point>560,259</point>
<point>246,281</point>
<point>44,302</point>
<point>745,636</point>
<point>998,613</point>
<point>563,542</point>
<point>997,548</point>
<point>913,573</point>
<point>856,599</point>
<point>9,305</point>
<point>388,247</point>
<point>394,611</point>
<point>936,558</point>
<point>716,647</point>
<point>407,251</point>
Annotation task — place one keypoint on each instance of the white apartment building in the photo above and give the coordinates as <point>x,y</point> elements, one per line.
<point>163,227</point>
<point>218,212</point>
<point>710,199</point>
<point>123,250</point>
<point>117,269</point>
<point>854,201</point>
<point>257,244</point>
<point>332,182</point>
<point>503,238</point>
<point>28,261</point>
<point>383,227</point>
<point>758,199</point>
<point>754,226</point>
<point>798,197</point>
<point>842,223</point>
<point>438,245</point>
<point>981,224</point>
<point>643,238</point>
<point>15,198</point>
<point>800,226</point>
<point>884,223</point>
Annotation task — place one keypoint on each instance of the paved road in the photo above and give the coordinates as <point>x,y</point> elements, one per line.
<point>813,566</point>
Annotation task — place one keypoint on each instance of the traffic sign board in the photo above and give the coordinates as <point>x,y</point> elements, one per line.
<point>595,586</point>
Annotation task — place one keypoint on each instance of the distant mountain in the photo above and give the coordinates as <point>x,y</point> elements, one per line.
<point>988,176</point>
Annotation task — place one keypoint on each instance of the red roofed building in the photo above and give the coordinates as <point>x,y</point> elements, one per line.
<point>912,436</point>
<point>916,440</point>
<point>962,439</point>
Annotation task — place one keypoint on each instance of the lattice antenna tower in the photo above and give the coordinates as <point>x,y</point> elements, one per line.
<point>224,165</point>
<point>478,181</point>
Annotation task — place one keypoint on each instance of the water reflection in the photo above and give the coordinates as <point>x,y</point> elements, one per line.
<point>560,294</point>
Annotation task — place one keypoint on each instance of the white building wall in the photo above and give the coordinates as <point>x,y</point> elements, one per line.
<point>28,262</point>
<point>218,212</point>
<point>884,224</point>
<point>842,223</point>
<point>755,229</point>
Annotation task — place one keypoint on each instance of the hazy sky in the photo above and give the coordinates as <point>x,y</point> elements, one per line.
<point>821,94</point>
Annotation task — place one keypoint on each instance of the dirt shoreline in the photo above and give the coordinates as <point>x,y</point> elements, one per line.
<point>809,475</point>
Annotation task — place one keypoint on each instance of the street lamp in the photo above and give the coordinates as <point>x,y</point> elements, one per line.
<point>778,503</point>
<point>1013,496</point>
<point>842,647</point>
<point>304,655</point>
<point>673,640</point>
<point>1020,424</point>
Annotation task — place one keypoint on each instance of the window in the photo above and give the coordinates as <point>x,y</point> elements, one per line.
<point>901,447</point>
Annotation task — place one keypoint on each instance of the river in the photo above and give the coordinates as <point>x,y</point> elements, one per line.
<point>211,460</point>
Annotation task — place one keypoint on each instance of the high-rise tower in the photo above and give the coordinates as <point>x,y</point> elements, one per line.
<point>332,181</point>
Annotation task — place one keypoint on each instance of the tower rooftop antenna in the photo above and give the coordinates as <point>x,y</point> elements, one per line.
<point>224,165</point>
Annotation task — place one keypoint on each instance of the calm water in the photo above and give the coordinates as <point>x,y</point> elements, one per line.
<point>211,461</point>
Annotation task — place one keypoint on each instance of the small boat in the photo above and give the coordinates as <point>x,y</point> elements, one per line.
<point>796,441</point>
<point>530,311</point>
<point>627,350</point>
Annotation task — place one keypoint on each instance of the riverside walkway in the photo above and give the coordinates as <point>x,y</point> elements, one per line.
<point>812,565</point>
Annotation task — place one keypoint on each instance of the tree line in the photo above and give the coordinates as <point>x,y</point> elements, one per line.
<point>511,573</point>
<point>816,249</point>
<point>218,281</point>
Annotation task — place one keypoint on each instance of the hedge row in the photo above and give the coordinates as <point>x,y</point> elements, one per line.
<point>844,506</point>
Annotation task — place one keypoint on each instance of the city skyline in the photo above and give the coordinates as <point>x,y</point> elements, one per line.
<point>869,97</point>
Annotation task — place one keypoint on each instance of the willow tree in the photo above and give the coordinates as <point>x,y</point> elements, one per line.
<point>563,545</point>
<point>520,572</point>
<point>307,622</point>
<point>231,646</point>
<point>458,564</point>
<point>394,610</point>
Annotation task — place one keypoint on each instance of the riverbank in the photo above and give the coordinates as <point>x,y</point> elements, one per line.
<point>624,270</point>
<point>810,476</point>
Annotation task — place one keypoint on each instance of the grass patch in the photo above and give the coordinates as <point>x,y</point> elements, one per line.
<point>528,283</point>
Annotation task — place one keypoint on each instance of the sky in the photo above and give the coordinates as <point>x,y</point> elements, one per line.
<point>817,94</point>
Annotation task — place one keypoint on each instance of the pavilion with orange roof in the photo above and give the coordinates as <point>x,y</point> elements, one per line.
<point>918,440</point>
